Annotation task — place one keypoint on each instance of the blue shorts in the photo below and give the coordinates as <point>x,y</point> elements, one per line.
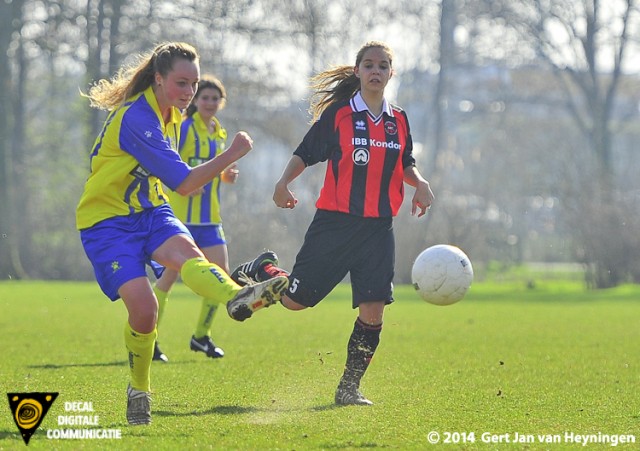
<point>120,247</point>
<point>207,235</point>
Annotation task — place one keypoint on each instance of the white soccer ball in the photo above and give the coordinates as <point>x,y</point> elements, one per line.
<point>442,274</point>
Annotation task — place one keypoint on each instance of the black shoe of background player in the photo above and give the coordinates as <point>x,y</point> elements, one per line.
<point>158,354</point>
<point>206,345</point>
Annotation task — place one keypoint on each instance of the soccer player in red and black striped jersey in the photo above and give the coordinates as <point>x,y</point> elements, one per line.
<point>367,145</point>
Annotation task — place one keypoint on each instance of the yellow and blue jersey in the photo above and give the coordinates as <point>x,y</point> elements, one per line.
<point>197,146</point>
<point>135,153</point>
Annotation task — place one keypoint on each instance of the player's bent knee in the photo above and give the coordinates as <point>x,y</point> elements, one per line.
<point>174,252</point>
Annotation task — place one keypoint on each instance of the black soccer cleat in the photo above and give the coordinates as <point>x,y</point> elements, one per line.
<point>249,270</point>
<point>206,345</point>
<point>158,355</point>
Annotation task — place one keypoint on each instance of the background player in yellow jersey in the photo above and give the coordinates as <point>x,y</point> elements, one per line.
<point>123,215</point>
<point>202,138</point>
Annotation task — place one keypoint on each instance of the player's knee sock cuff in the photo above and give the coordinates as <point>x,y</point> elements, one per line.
<point>366,326</point>
<point>208,280</point>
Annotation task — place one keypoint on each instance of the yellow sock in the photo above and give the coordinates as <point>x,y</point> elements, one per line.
<point>163,298</point>
<point>208,280</point>
<point>140,349</point>
<point>207,312</point>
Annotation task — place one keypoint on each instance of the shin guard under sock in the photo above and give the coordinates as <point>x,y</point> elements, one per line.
<point>362,346</point>
<point>140,349</point>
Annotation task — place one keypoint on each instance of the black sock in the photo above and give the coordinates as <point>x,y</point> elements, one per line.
<point>362,345</point>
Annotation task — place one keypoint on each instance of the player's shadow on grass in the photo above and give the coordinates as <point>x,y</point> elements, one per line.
<point>8,434</point>
<point>324,407</point>
<point>219,410</point>
<point>234,410</point>
<point>54,366</point>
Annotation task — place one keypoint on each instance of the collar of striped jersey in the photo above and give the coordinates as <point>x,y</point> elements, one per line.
<point>219,133</point>
<point>358,104</point>
<point>176,116</point>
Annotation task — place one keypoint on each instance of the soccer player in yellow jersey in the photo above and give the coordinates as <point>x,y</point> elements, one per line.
<point>123,215</point>
<point>202,138</point>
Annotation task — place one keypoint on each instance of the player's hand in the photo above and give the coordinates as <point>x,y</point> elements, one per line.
<point>230,175</point>
<point>241,145</point>
<point>283,197</point>
<point>422,199</point>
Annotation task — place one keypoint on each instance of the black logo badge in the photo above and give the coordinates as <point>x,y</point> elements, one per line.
<point>140,173</point>
<point>29,409</point>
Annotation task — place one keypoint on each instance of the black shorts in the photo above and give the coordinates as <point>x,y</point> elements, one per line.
<point>337,244</point>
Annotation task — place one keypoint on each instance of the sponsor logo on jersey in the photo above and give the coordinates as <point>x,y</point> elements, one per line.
<point>360,156</point>
<point>193,161</point>
<point>371,142</point>
<point>140,173</point>
<point>384,144</point>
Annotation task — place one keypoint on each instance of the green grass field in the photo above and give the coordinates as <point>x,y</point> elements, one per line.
<point>547,360</point>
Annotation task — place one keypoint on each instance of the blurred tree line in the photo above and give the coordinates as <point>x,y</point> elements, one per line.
<point>524,115</point>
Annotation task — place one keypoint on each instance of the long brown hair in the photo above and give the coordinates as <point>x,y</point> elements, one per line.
<point>133,79</point>
<point>340,82</point>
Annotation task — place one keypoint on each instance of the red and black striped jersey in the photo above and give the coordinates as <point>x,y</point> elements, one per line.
<point>366,157</point>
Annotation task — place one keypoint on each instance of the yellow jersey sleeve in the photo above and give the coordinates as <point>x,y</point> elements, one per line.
<point>135,153</point>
